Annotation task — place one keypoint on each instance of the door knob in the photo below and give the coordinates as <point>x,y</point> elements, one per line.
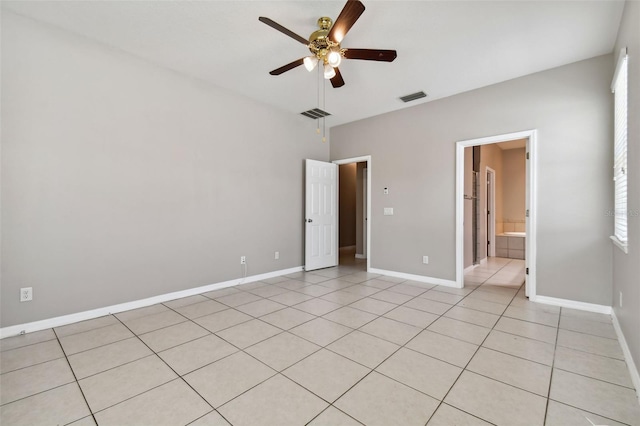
<point>309,220</point>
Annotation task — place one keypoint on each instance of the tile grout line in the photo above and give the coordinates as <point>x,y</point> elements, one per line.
<point>553,363</point>
<point>84,397</point>
<point>282,331</point>
<point>188,319</point>
<point>377,316</point>
<point>400,346</point>
<point>340,337</point>
<point>175,372</point>
<point>326,348</point>
<point>582,375</point>
<point>394,352</point>
<point>335,408</point>
<point>474,354</point>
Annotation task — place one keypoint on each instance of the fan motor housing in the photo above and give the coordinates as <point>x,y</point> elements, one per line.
<point>319,43</point>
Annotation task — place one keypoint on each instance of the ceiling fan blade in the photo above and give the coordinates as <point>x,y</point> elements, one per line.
<point>349,15</point>
<point>337,81</point>
<point>371,54</point>
<point>287,67</point>
<point>283,30</point>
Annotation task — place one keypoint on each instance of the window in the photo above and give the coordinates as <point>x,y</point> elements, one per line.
<point>619,88</point>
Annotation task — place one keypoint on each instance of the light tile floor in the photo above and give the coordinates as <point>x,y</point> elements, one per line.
<point>338,346</point>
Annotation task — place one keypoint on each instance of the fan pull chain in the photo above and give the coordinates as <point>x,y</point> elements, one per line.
<point>324,108</point>
<point>318,81</point>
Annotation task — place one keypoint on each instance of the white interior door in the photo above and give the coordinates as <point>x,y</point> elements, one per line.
<point>364,212</point>
<point>321,215</point>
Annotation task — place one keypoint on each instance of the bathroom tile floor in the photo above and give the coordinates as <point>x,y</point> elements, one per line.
<point>338,346</point>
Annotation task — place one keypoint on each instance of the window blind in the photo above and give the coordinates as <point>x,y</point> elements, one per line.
<point>619,87</point>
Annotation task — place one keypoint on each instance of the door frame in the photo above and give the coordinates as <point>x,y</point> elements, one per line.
<point>491,207</point>
<point>530,197</point>
<point>365,211</point>
<point>362,159</point>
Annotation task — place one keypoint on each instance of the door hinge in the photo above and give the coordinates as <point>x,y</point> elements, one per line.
<point>527,155</point>
<point>527,213</point>
<point>526,271</point>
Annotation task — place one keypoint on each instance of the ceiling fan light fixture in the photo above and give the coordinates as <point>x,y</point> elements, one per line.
<point>310,63</point>
<point>329,72</point>
<point>325,45</point>
<point>334,58</point>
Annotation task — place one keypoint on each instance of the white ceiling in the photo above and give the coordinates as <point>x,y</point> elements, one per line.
<point>444,47</point>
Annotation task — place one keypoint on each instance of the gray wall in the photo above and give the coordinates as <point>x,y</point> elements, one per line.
<point>513,184</point>
<point>490,156</point>
<point>413,153</point>
<point>347,204</point>
<point>626,268</point>
<point>122,180</point>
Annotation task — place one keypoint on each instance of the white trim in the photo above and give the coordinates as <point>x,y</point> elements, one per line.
<point>15,330</point>
<point>622,57</point>
<point>360,256</point>
<point>620,149</point>
<point>573,304</point>
<point>622,246</point>
<point>633,369</point>
<point>362,159</point>
<point>531,193</point>
<point>531,136</point>
<point>491,227</point>
<point>470,268</point>
<point>365,218</point>
<point>412,277</point>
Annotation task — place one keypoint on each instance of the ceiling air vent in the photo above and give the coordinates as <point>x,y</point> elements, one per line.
<point>413,96</point>
<point>315,113</point>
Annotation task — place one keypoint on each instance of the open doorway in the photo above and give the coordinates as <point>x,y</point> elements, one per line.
<point>348,218</point>
<point>353,212</point>
<point>495,223</point>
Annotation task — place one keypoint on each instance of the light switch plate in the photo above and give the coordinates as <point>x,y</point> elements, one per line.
<point>388,211</point>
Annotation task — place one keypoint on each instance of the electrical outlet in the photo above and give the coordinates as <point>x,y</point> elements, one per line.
<point>26,294</point>
<point>243,260</point>
<point>425,260</point>
<point>276,256</point>
<point>621,299</point>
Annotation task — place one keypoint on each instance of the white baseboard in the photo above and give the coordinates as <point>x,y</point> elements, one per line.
<point>631,365</point>
<point>471,267</point>
<point>565,303</point>
<point>15,330</point>
<point>360,256</point>
<point>420,278</point>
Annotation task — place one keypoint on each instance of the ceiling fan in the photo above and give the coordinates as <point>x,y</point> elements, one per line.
<point>324,44</point>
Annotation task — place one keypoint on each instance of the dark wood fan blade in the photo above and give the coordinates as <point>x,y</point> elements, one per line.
<point>283,30</point>
<point>287,67</point>
<point>371,54</point>
<point>349,15</point>
<point>337,81</point>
